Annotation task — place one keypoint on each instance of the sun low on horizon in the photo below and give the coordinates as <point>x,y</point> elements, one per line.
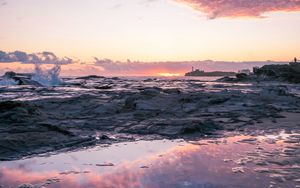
<point>152,30</point>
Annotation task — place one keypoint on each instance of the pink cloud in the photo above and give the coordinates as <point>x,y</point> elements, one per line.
<point>241,8</point>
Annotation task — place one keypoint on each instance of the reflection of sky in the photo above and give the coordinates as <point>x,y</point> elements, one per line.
<point>167,164</point>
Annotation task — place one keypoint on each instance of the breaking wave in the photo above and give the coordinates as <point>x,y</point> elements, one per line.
<point>47,77</point>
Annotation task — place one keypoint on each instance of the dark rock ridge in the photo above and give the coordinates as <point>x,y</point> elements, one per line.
<point>90,77</point>
<point>286,73</point>
<point>20,78</point>
<point>289,72</point>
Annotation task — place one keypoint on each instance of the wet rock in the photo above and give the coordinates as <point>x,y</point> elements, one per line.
<point>248,140</point>
<point>283,72</point>
<point>90,77</point>
<point>15,111</point>
<point>104,137</point>
<point>244,119</point>
<point>223,120</point>
<point>288,72</point>
<point>189,107</point>
<point>190,129</point>
<point>112,108</point>
<point>10,105</point>
<point>261,163</point>
<point>151,91</point>
<point>26,185</point>
<point>241,76</point>
<point>10,75</point>
<point>22,79</point>
<point>281,162</point>
<point>227,160</point>
<point>204,128</point>
<point>115,78</point>
<point>243,161</point>
<point>47,122</point>
<point>57,129</point>
<point>218,100</point>
<point>149,80</point>
<point>147,105</point>
<point>238,170</point>
<point>226,79</point>
<point>172,91</point>
<point>130,102</point>
<point>25,81</point>
<point>262,170</point>
<point>104,87</point>
<point>278,177</point>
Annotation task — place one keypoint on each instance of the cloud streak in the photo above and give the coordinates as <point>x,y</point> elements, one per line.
<point>34,58</point>
<point>180,67</point>
<point>241,8</point>
<point>22,62</point>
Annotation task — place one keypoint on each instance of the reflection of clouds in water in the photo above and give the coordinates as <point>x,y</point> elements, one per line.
<point>9,175</point>
<point>181,165</point>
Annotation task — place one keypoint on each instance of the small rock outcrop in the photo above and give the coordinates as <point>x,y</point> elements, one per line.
<point>288,72</point>
<point>283,72</point>
<point>21,78</point>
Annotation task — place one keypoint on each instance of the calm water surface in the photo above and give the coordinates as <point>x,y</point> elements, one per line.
<point>232,162</point>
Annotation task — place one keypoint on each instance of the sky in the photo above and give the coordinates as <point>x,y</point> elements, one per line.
<point>87,31</point>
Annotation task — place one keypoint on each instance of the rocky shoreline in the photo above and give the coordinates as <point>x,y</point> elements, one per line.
<point>289,73</point>
<point>127,110</point>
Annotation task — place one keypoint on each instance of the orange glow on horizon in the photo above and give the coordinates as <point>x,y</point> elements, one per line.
<point>167,74</point>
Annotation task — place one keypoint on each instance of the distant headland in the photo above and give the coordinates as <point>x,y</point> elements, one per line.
<point>289,72</point>
<point>198,72</point>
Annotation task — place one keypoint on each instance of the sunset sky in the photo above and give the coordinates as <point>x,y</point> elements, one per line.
<point>153,30</point>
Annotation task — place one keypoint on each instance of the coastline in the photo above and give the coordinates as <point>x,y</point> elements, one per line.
<point>125,110</point>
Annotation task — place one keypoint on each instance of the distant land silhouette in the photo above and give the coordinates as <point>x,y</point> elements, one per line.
<point>198,72</point>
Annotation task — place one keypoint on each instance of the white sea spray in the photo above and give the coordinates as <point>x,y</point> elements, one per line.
<point>47,77</point>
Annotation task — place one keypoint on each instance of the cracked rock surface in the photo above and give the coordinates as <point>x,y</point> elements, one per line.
<point>91,110</point>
